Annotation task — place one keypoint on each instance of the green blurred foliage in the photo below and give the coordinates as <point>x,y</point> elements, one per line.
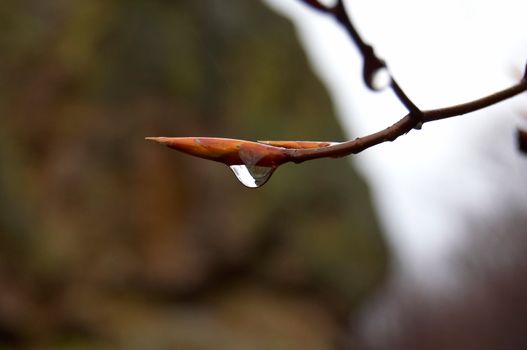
<point>107,241</point>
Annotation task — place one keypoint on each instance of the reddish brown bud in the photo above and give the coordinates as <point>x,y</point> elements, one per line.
<point>227,151</point>
<point>253,163</point>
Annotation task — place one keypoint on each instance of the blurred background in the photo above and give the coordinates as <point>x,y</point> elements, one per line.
<point>107,241</point>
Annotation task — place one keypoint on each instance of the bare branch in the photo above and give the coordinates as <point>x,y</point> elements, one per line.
<point>404,125</point>
<point>454,111</point>
<point>275,153</point>
<point>271,154</point>
<point>372,65</point>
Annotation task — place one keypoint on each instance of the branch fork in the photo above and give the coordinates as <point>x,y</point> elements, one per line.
<point>271,154</point>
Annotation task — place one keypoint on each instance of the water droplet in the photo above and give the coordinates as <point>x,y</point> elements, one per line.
<point>380,79</point>
<point>252,175</point>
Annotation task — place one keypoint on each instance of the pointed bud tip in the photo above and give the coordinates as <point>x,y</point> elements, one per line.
<point>158,139</point>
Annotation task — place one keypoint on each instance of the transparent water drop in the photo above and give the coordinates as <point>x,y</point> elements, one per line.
<point>380,79</point>
<point>252,175</point>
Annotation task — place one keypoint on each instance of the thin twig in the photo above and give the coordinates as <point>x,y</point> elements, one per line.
<point>403,126</point>
<point>372,63</point>
<point>454,111</point>
<point>415,117</point>
<point>406,101</point>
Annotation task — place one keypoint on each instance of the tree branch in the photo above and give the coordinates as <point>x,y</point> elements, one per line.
<point>256,156</point>
<point>275,153</point>
<point>404,125</point>
<point>372,65</point>
<point>464,108</point>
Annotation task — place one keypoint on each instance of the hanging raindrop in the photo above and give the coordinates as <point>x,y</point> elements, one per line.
<point>252,175</point>
<point>380,79</point>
